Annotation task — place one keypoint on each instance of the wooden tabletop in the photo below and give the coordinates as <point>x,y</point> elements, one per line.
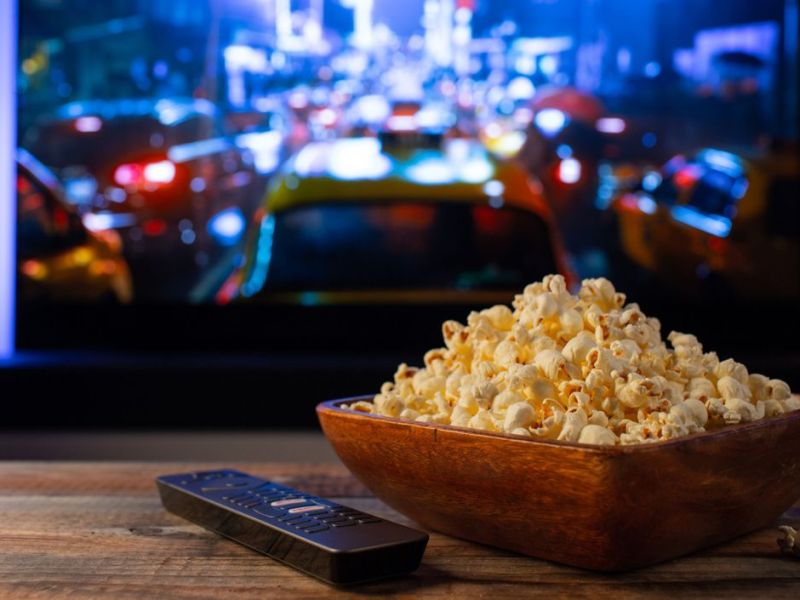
<point>90,530</point>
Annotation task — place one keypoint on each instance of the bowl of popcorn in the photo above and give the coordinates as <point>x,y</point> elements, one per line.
<point>566,428</point>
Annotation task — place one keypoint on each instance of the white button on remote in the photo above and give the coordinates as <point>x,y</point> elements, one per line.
<point>305,509</point>
<point>289,502</point>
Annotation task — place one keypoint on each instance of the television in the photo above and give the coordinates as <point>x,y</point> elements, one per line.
<point>280,200</point>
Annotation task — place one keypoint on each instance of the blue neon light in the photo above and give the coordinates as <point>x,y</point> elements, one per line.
<point>646,204</point>
<point>550,121</point>
<point>651,180</point>
<point>258,275</point>
<point>714,224</point>
<point>227,226</point>
<point>8,204</point>
<point>193,150</point>
<point>723,161</point>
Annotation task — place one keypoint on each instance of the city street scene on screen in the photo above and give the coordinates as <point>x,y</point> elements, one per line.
<point>273,155</point>
<point>359,145</point>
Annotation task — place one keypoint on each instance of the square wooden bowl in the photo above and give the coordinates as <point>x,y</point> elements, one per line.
<point>607,508</point>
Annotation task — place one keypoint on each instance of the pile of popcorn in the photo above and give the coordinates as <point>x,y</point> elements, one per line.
<point>585,368</point>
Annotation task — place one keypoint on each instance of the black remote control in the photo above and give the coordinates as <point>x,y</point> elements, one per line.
<point>338,544</point>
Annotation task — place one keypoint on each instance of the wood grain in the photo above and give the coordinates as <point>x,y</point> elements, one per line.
<point>609,508</point>
<point>97,530</point>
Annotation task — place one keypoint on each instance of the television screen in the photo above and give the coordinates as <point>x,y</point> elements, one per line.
<point>278,175</point>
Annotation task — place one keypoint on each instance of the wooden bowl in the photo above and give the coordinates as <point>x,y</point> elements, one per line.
<point>608,508</point>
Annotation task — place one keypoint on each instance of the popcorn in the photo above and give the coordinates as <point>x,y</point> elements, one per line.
<point>552,364</point>
<point>732,388</point>
<point>362,406</point>
<point>577,348</point>
<point>791,403</point>
<point>701,389</point>
<point>597,434</point>
<point>504,400</point>
<point>574,421</point>
<point>409,413</point>
<point>483,419</point>
<point>519,416</point>
<point>742,411</point>
<point>789,541</point>
<point>585,368</point>
<point>778,390</point>
<point>697,410</point>
<point>461,416</point>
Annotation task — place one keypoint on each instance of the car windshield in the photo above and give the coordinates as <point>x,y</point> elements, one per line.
<point>62,143</point>
<point>714,193</point>
<point>401,246</point>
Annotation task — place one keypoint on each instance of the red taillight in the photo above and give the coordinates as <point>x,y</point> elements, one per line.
<point>629,203</point>
<point>229,290</point>
<point>154,227</point>
<point>145,174</point>
<point>686,176</point>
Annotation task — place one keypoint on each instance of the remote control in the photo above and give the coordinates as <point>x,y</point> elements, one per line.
<point>335,543</point>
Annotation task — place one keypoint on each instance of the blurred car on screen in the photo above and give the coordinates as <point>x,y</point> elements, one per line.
<point>161,167</point>
<point>718,221</point>
<point>59,257</point>
<point>361,220</point>
<point>564,153</point>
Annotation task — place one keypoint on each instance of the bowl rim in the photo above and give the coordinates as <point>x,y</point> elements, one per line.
<point>335,406</point>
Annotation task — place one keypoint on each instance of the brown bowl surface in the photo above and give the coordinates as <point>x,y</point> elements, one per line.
<point>608,508</point>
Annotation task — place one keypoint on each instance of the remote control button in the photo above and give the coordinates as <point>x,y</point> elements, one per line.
<point>325,515</point>
<point>237,497</point>
<point>288,502</point>
<point>270,494</point>
<point>250,503</point>
<point>272,497</point>
<point>209,475</point>
<point>335,520</point>
<point>370,520</point>
<point>220,485</point>
<point>306,509</point>
<point>291,518</point>
<point>266,511</point>
<point>347,523</point>
<point>316,529</point>
<point>302,524</point>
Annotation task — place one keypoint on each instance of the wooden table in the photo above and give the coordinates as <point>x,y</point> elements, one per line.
<point>79,530</point>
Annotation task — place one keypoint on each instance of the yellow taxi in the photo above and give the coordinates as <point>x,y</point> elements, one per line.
<point>396,219</point>
<point>59,257</point>
<point>721,218</point>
